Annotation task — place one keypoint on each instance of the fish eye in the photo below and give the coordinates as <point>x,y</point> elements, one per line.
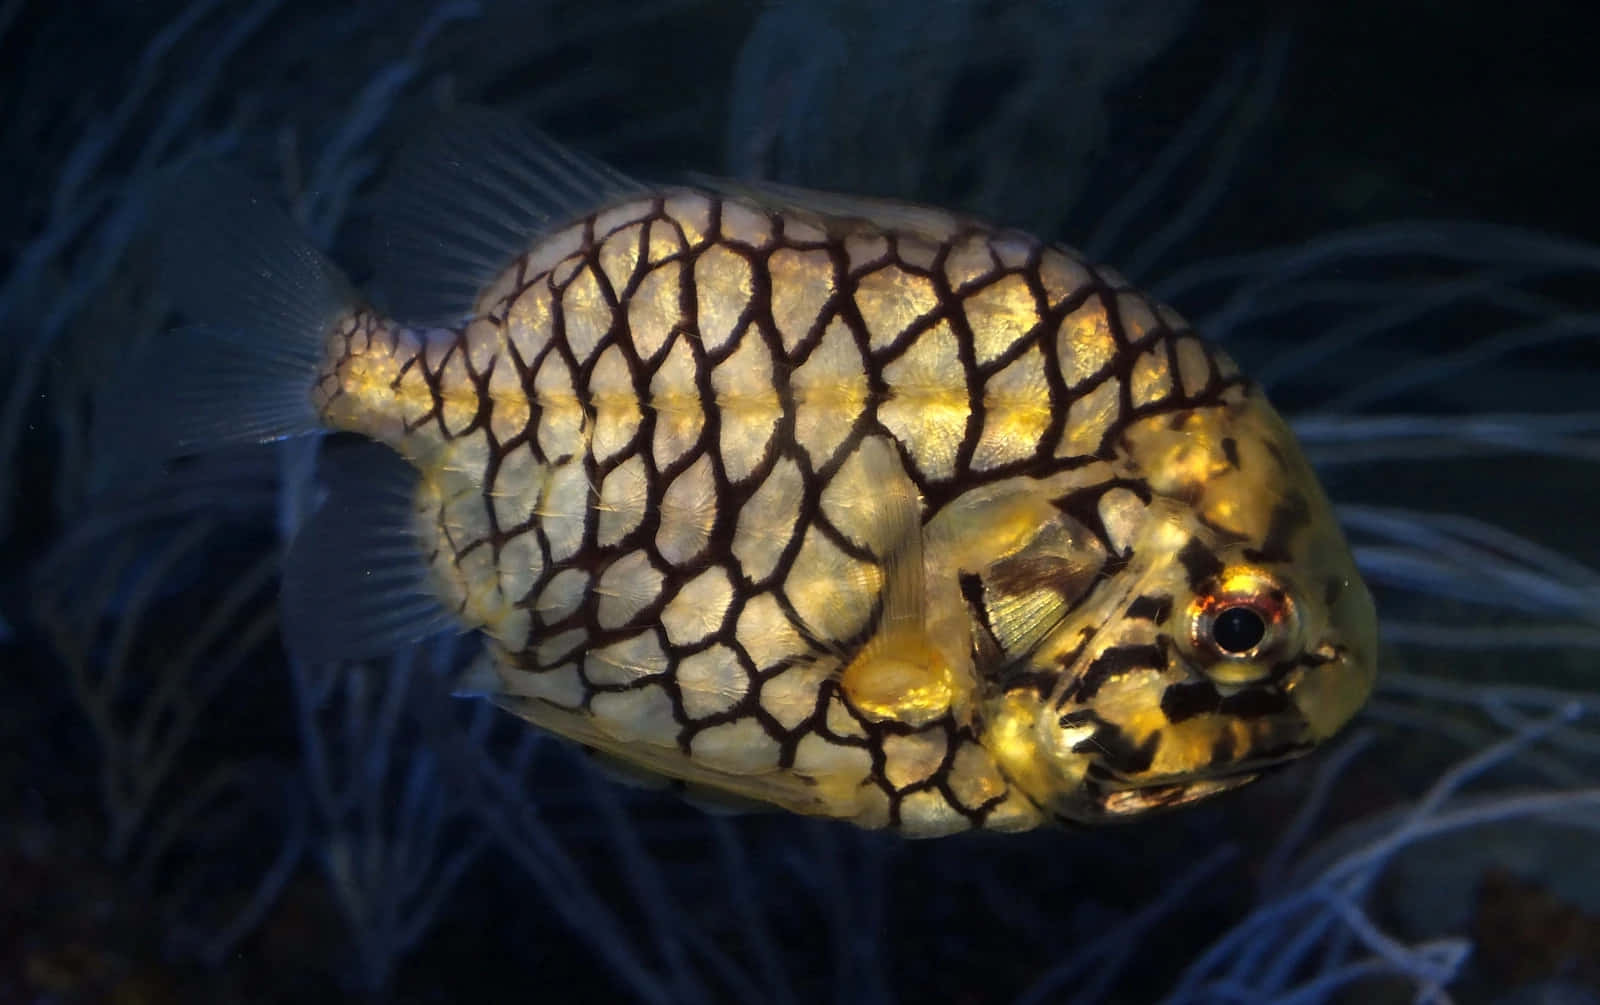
<point>1242,617</point>
<point>1237,629</point>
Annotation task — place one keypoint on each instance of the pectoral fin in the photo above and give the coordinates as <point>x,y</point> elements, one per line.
<point>903,672</point>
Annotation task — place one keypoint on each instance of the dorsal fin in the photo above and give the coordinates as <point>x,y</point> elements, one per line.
<point>476,190</point>
<point>356,583</point>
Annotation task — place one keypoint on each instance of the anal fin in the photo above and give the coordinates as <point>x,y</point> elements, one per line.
<point>651,766</point>
<point>356,583</point>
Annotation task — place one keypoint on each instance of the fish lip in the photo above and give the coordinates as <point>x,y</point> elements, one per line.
<point>1132,800</point>
<point>1214,777</point>
<point>1177,790</point>
<point>1271,759</point>
<point>1140,799</point>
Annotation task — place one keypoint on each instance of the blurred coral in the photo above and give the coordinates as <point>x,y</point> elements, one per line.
<point>1525,933</point>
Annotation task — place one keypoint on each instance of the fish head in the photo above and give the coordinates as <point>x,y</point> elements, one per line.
<point>1232,634</point>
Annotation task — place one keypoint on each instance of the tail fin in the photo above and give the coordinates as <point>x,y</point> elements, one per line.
<point>265,301</point>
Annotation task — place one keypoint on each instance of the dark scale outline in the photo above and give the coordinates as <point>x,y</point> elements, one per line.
<point>750,706</point>
<point>328,389</point>
<point>1040,336</point>
<point>710,438</point>
<point>756,321</point>
<point>937,780</point>
<point>588,252</point>
<point>554,343</point>
<point>984,234</point>
<point>365,321</point>
<point>1223,749</point>
<point>869,265</point>
<point>826,313</point>
<point>783,367</point>
<point>454,340</point>
<point>430,380</point>
<point>726,634</point>
<point>906,337</point>
<point>838,538</point>
<point>964,735</point>
<point>773,580</point>
<point>954,309</point>
<point>845,648</point>
<point>433,377</point>
<point>641,249</point>
<point>558,342</point>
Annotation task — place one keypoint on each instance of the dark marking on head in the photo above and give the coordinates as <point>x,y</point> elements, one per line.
<point>1115,564</point>
<point>1224,535</point>
<point>1185,701</point>
<point>1331,590</point>
<point>993,663</point>
<point>1254,703</point>
<point>1037,681</point>
<point>972,592</point>
<point>1277,454</point>
<point>972,589</point>
<point>1308,660</point>
<point>1083,506</point>
<point>1230,450</point>
<point>1116,753</point>
<point>1199,564</point>
<point>1223,747</point>
<point>1115,660</point>
<point>1151,608</point>
<point>1078,717</point>
<point>1067,659</point>
<point>1288,517</point>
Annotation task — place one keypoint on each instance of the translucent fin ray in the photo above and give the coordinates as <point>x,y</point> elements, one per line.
<point>263,299</point>
<point>475,192</point>
<point>203,387</point>
<point>895,526</point>
<point>650,766</point>
<point>478,680</point>
<point>355,583</point>
<point>834,211</point>
<point>228,256</point>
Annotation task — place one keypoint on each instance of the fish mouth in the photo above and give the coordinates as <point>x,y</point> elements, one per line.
<point>1169,795</point>
<point>1164,793</point>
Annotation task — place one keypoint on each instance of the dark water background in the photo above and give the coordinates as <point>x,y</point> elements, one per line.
<point>1386,209</point>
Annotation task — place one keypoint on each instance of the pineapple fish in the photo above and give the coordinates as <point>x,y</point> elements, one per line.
<point>863,510</point>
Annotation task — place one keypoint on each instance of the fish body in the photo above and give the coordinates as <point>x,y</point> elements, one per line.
<point>866,511</point>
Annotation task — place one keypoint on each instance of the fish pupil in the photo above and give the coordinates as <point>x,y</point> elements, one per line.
<point>1238,630</point>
